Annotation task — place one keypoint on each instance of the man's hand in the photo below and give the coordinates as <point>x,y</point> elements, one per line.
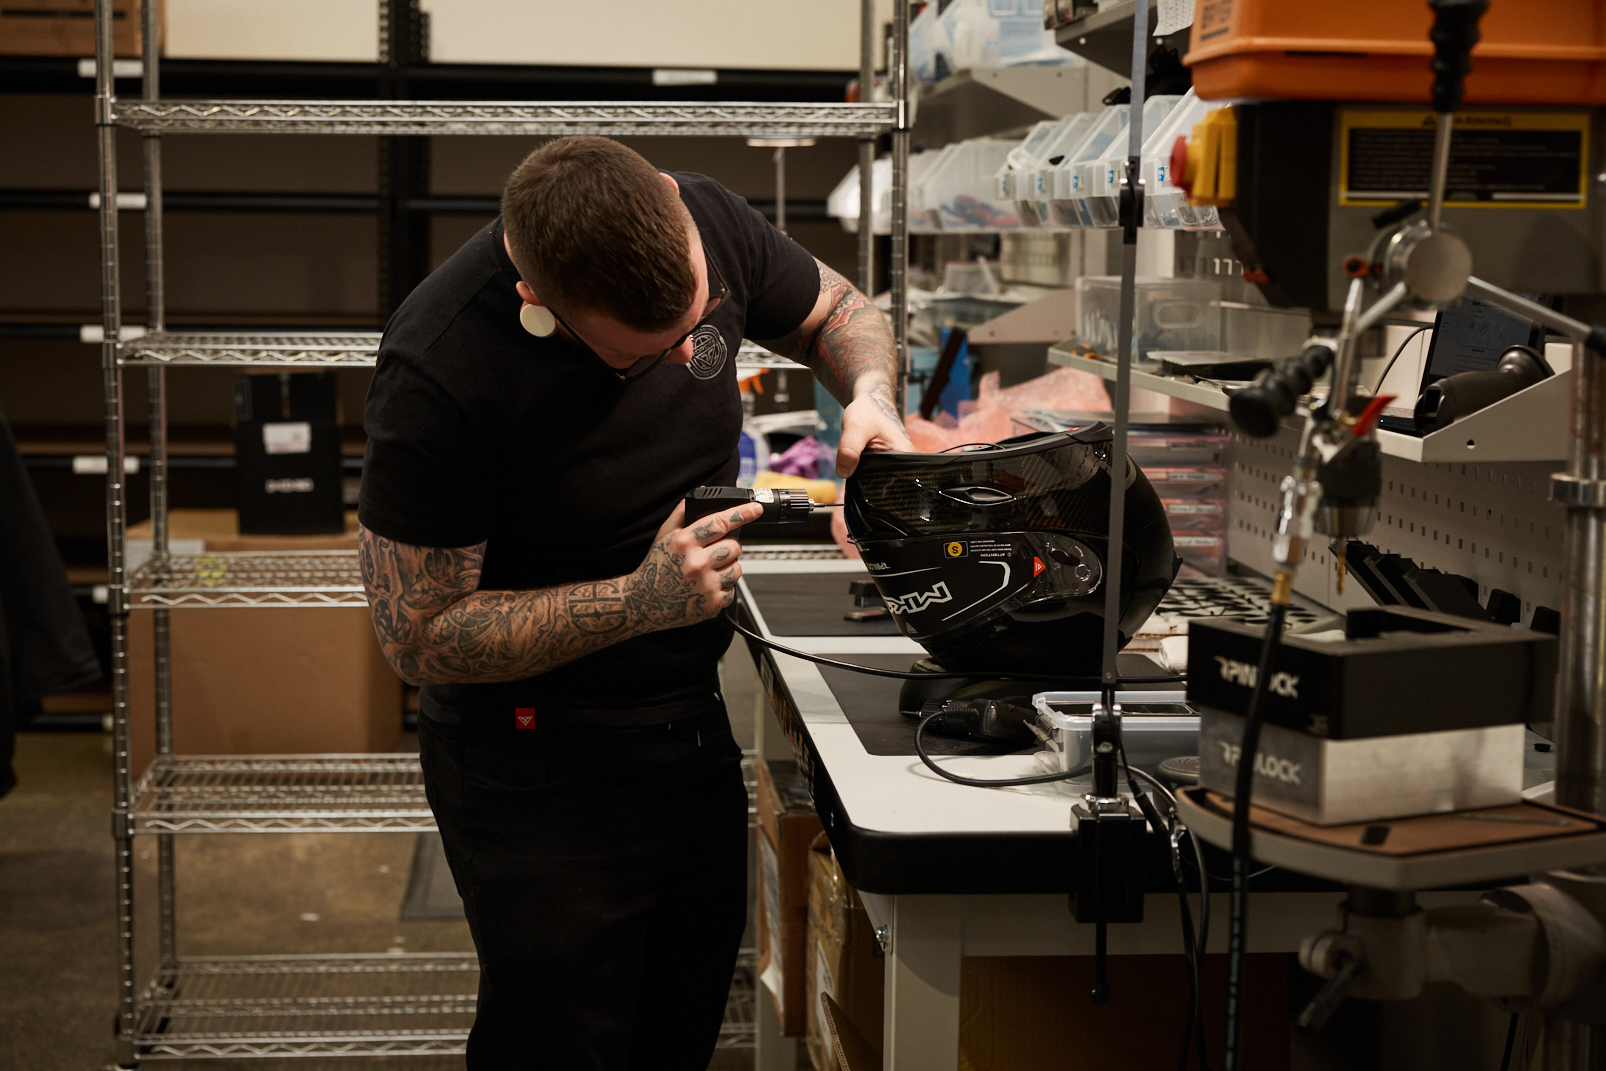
<point>436,627</point>
<point>848,343</point>
<point>870,422</point>
<point>690,573</point>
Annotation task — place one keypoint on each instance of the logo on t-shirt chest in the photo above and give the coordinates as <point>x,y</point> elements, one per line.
<point>708,352</point>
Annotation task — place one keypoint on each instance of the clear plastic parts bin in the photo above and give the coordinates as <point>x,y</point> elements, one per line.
<point>1204,551</point>
<point>1195,514</point>
<point>1165,449</point>
<point>1164,203</point>
<point>1034,188</point>
<point>1262,330</point>
<point>1023,158</point>
<point>959,192</point>
<point>995,33</point>
<point>921,165</point>
<point>843,202</point>
<point>1098,198</point>
<point>1186,481</point>
<point>1171,314</point>
<point>1073,174</point>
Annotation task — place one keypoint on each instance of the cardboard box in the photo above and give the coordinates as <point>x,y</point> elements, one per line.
<point>263,680</point>
<point>787,826</point>
<point>67,28</point>
<point>1034,1013</point>
<point>843,958</point>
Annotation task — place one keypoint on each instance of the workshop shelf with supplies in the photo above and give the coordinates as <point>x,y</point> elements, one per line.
<point>355,1005</point>
<point>1527,426</point>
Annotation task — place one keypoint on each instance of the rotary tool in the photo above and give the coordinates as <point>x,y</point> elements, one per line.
<point>783,505</point>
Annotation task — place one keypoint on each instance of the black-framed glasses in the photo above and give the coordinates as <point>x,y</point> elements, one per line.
<point>651,361</point>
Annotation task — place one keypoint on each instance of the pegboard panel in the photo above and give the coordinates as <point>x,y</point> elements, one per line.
<point>1492,522</point>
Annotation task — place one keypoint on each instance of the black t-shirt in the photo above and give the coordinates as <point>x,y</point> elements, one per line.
<point>479,432</point>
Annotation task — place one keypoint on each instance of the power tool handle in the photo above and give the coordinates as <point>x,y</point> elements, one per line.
<point>1455,31</point>
<point>699,506</point>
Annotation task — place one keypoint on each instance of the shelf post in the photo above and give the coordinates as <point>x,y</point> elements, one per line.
<point>867,46</point>
<point>116,519</point>
<point>1581,696</point>
<point>1132,213</point>
<point>403,160</point>
<point>156,378</point>
<point>899,77</point>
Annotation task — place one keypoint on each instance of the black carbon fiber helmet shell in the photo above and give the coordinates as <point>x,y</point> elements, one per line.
<point>993,559</point>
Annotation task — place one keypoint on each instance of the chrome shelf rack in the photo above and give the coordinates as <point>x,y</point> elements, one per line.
<point>614,119</point>
<point>338,349</point>
<point>356,1005</point>
<point>166,349</point>
<point>403,1004</point>
<point>281,794</point>
<point>248,578</point>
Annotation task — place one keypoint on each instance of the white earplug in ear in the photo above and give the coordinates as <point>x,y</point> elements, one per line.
<point>538,320</point>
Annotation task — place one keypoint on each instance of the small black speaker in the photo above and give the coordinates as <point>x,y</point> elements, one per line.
<point>287,454</point>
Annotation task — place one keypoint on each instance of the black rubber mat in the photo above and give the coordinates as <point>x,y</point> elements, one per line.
<point>812,604</point>
<point>871,706</point>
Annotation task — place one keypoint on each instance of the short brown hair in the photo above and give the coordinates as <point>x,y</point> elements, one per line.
<point>592,225</point>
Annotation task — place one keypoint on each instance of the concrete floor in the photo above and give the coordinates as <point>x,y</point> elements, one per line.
<point>236,894</point>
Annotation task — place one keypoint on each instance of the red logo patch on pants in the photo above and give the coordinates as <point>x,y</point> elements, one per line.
<point>524,717</point>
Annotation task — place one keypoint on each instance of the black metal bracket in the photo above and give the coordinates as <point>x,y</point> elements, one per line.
<point>1131,211</point>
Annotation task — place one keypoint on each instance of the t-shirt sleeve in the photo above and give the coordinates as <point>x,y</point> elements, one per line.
<point>783,281</point>
<point>426,476</point>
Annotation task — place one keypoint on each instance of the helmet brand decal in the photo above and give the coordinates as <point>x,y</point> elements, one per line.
<point>914,602</point>
<point>1284,770</point>
<point>1242,673</point>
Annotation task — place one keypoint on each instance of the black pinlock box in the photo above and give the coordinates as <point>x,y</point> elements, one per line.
<point>1410,712</point>
<point>287,454</point>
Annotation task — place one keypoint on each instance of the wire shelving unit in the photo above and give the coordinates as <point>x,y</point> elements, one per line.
<point>337,1005</point>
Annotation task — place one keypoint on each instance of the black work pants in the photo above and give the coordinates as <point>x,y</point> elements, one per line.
<point>603,872</point>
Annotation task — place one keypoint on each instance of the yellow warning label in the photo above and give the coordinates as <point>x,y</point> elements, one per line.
<point>1497,159</point>
<point>955,550</point>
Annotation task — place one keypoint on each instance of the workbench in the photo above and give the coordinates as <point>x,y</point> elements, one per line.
<point>946,870</point>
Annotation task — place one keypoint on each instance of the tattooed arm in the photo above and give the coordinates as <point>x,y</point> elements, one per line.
<point>436,627</point>
<point>848,344</point>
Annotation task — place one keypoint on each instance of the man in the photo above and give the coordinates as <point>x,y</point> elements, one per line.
<point>542,403</point>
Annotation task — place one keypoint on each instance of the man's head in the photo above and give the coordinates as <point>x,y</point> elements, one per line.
<point>601,237</point>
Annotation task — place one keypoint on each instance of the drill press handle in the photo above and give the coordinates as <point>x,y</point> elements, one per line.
<point>1455,31</point>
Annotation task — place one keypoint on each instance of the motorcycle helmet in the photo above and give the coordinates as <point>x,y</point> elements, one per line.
<point>993,558</point>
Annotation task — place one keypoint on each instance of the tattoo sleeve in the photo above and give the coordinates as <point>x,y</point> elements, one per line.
<point>853,342</point>
<point>436,627</point>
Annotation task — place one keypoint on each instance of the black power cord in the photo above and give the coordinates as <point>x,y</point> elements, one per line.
<point>1382,379</point>
<point>910,675</point>
<point>1242,790</point>
<point>1035,779</point>
<point>1511,1043</point>
<point>1193,947</point>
